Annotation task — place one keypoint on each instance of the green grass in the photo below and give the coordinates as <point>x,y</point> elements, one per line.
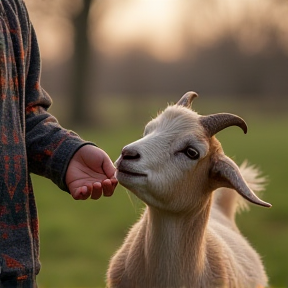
<point>79,237</point>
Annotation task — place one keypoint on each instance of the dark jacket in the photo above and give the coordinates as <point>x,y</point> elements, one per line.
<point>31,141</point>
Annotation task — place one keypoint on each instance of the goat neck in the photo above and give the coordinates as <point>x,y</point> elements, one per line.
<point>183,235</point>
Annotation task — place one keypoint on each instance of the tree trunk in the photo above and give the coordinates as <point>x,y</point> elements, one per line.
<point>79,115</point>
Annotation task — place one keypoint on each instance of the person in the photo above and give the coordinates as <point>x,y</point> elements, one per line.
<point>32,141</point>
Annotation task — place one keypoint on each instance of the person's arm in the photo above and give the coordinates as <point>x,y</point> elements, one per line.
<point>52,150</point>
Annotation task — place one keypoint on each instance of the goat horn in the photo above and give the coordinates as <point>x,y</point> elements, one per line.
<point>216,122</point>
<point>187,99</point>
<point>226,170</point>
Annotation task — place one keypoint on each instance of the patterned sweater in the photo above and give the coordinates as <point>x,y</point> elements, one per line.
<point>31,141</point>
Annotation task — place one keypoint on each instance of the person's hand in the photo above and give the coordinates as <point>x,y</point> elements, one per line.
<point>90,173</point>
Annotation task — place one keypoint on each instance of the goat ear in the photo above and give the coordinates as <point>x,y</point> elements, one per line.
<point>227,173</point>
<point>187,99</point>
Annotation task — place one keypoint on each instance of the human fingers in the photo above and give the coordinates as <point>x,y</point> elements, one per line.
<point>97,191</point>
<point>108,186</point>
<point>114,182</point>
<point>82,193</point>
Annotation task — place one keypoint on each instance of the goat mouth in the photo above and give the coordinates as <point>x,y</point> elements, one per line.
<point>131,173</point>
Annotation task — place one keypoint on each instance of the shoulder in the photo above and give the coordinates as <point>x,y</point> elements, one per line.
<point>15,13</point>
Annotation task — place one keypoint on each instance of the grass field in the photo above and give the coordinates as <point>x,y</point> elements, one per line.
<point>78,238</point>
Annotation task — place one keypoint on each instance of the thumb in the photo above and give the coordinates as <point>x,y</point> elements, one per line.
<point>108,167</point>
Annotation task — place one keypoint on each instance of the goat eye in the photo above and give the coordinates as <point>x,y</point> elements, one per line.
<point>191,153</point>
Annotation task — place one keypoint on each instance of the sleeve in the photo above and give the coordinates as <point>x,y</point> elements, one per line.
<point>49,146</point>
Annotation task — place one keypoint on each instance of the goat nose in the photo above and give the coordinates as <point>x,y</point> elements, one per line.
<point>130,154</point>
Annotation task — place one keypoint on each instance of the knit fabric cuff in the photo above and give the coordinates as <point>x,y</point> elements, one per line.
<point>61,159</point>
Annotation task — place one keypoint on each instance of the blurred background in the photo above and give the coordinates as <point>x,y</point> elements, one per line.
<point>111,65</point>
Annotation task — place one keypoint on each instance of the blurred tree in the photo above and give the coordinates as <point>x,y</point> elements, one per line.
<point>127,32</point>
<point>82,53</point>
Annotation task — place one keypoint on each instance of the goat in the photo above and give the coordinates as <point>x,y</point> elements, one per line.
<point>187,235</point>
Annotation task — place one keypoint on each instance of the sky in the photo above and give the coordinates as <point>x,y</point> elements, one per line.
<point>165,29</point>
<point>146,24</point>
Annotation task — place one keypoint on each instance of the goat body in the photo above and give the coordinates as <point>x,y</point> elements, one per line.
<point>187,236</point>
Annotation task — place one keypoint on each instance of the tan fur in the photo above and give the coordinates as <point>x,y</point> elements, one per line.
<point>187,236</point>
